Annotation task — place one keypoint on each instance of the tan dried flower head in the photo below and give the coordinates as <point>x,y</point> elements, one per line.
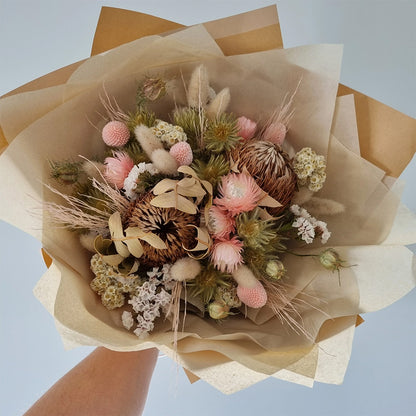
<point>170,224</point>
<point>271,168</point>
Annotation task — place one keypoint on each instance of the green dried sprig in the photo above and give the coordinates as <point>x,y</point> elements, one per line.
<point>206,283</point>
<point>193,121</point>
<point>255,232</point>
<point>140,116</point>
<point>135,151</point>
<point>65,172</point>
<point>212,170</point>
<point>221,134</point>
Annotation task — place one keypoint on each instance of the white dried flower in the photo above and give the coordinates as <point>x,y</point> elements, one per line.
<point>168,133</point>
<point>308,226</point>
<point>127,319</point>
<point>310,169</point>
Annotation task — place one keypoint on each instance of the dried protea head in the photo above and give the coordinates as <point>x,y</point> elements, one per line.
<point>170,224</point>
<point>270,167</point>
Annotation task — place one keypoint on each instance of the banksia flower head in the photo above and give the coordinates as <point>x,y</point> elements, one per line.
<point>226,255</point>
<point>170,224</point>
<point>272,169</point>
<point>115,134</point>
<point>238,193</point>
<point>117,168</point>
<point>246,127</point>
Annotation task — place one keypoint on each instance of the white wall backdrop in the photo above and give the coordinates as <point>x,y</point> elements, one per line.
<point>37,37</point>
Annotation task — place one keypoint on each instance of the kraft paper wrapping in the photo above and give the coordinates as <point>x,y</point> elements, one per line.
<point>241,352</point>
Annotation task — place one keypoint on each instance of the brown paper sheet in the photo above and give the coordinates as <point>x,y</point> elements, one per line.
<point>387,137</point>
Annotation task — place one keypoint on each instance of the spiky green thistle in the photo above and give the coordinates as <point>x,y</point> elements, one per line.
<point>65,172</point>
<point>140,116</point>
<point>212,170</point>
<point>135,151</point>
<point>92,196</point>
<point>262,241</point>
<point>206,283</point>
<point>193,121</point>
<point>221,134</point>
<point>255,232</point>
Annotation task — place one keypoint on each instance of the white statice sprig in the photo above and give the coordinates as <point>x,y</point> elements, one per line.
<point>149,299</point>
<point>309,227</point>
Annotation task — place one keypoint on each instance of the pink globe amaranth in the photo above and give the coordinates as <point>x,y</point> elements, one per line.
<point>115,134</point>
<point>246,127</point>
<point>275,133</point>
<point>182,153</point>
<point>253,297</point>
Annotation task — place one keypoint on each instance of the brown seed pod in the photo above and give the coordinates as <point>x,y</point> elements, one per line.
<point>170,224</point>
<point>270,167</point>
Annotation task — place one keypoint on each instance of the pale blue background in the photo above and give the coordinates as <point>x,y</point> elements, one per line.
<point>37,37</point>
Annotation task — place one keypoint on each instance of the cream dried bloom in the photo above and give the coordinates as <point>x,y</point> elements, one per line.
<point>168,133</point>
<point>310,169</point>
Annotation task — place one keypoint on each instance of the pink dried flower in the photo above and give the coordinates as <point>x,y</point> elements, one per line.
<point>117,168</point>
<point>246,127</point>
<point>115,134</point>
<point>226,255</point>
<point>275,133</point>
<point>220,222</point>
<point>238,193</point>
<point>182,153</point>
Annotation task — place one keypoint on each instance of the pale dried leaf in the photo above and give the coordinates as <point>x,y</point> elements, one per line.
<point>203,240</point>
<point>267,201</point>
<point>187,182</point>
<point>113,259</point>
<point>172,200</point>
<point>117,235</point>
<point>164,185</point>
<point>154,240</point>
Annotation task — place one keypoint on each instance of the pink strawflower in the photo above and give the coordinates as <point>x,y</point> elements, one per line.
<point>226,255</point>
<point>254,297</point>
<point>115,134</point>
<point>182,153</point>
<point>238,193</point>
<point>275,133</point>
<point>246,127</point>
<point>221,224</point>
<point>117,168</point>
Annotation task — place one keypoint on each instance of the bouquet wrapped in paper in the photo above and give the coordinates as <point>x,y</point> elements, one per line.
<point>212,196</point>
